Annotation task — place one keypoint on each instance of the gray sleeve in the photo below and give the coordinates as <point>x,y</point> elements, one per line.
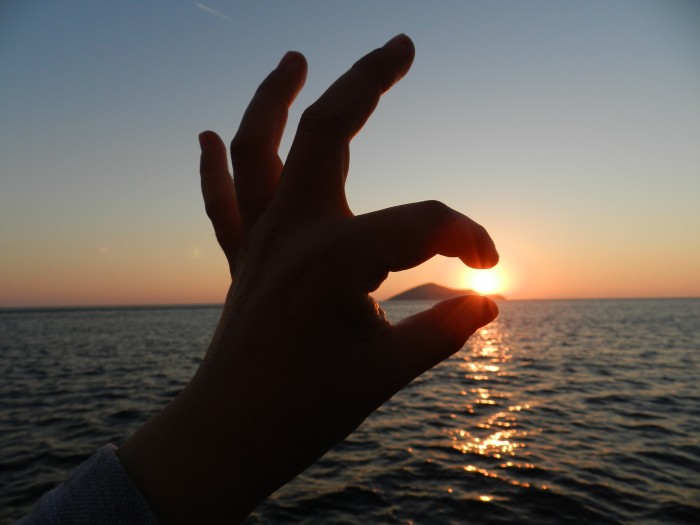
<point>99,491</point>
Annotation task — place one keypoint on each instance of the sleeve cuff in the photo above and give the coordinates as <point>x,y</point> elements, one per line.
<point>99,491</point>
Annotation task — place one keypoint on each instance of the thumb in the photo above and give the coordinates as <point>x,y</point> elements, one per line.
<point>423,340</point>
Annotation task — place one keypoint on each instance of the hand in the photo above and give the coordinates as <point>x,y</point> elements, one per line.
<point>302,354</point>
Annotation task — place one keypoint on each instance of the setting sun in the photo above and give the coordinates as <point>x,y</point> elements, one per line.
<point>485,282</point>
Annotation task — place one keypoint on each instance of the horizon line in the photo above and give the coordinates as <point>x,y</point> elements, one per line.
<point>44,307</point>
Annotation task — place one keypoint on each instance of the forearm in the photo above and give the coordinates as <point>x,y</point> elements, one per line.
<point>190,466</point>
<point>219,449</point>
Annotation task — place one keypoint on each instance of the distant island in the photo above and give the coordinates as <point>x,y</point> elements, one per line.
<point>435,292</point>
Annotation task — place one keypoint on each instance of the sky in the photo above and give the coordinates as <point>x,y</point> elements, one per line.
<point>570,130</point>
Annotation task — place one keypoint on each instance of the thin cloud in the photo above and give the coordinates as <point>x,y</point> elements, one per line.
<point>211,11</point>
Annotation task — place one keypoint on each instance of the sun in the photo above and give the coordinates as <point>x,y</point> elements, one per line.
<point>484,282</point>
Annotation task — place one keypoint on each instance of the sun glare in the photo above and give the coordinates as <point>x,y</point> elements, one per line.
<point>484,282</point>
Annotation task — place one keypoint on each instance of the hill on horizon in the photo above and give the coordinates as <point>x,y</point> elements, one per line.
<point>436,292</point>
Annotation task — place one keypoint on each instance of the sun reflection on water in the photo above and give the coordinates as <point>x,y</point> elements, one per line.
<point>497,435</point>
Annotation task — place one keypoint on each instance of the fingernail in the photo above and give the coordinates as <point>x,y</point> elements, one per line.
<point>398,43</point>
<point>291,61</point>
<point>489,252</point>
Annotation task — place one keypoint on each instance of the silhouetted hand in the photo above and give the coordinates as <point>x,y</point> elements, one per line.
<point>302,354</point>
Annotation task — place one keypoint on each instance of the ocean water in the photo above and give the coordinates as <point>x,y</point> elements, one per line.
<point>558,412</point>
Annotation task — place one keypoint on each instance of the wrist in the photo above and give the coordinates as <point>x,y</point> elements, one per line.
<point>185,463</point>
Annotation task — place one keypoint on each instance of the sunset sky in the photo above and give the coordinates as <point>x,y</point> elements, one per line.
<point>571,130</point>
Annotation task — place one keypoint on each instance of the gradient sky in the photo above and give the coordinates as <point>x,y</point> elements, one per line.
<point>571,130</point>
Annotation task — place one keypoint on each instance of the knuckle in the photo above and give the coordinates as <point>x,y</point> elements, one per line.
<point>242,147</point>
<point>439,216</point>
<point>436,211</point>
<point>213,209</point>
<point>317,122</point>
<point>435,207</point>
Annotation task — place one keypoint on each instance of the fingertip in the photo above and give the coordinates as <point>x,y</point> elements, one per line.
<point>481,261</point>
<point>481,252</point>
<point>468,313</point>
<point>212,161</point>
<point>401,43</point>
<point>402,48</point>
<point>489,310</point>
<point>208,139</point>
<point>290,74</point>
<point>203,141</point>
<point>490,258</point>
<point>491,253</point>
<point>488,255</point>
<point>292,62</point>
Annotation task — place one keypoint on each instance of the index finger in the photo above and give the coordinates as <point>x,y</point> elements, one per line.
<point>405,236</point>
<point>317,162</point>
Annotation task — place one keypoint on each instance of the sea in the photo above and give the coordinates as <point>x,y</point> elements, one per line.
<point>581,411</point>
